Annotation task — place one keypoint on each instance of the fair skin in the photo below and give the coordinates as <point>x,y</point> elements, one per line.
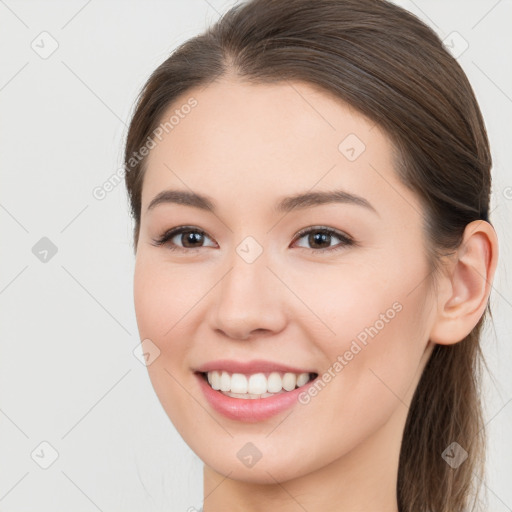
<point>246,147</point>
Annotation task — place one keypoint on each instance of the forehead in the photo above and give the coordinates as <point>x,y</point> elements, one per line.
<point>261,140</point>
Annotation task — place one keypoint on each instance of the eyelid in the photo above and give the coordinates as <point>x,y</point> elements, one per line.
<point>332,231</point>
<point>178,230</point>
<point>346,240</point>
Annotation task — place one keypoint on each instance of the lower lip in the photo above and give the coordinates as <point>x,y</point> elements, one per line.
<point>250,410</point>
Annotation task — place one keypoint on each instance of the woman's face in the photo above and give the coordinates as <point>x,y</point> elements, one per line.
<point>257,288</point>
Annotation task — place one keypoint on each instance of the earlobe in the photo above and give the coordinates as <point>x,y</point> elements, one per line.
<point>466,286</point>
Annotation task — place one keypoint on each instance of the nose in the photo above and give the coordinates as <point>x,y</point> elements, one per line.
<point>248,302</point>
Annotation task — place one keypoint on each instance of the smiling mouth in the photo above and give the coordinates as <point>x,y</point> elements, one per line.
<point>256,385</point>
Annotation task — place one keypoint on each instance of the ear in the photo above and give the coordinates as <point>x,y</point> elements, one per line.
<point>465,287</point>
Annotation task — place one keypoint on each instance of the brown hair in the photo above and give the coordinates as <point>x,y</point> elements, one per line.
<point>394,69</point>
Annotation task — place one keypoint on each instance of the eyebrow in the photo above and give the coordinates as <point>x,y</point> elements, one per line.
<point>287,204</point>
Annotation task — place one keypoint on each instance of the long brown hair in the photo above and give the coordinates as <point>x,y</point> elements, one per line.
<point>394,69</point>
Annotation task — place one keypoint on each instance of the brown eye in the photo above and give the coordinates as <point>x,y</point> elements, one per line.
<point>190,237</point>
<point>320,238</point>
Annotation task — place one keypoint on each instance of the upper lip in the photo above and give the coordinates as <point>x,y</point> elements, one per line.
<point>249,367</point>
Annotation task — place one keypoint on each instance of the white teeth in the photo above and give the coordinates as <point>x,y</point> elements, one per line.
<point>247,396</point>
<point>225,382</point>
<point>289,381</point>
<point>257,385</point>
<point>275,383</point>
<point>238,383</point>
<point>214,379</point>
<point>302,379</point>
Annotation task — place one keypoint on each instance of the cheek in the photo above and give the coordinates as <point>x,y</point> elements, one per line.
<point>162,296</point>
<point>370,378</point>
<point>161,303</point>
<point>166,297</point>
<point>379,315</point>
<point>381,347</point>
<point>348,300</point>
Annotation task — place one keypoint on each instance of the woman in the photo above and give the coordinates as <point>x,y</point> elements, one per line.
<point>310,187</point>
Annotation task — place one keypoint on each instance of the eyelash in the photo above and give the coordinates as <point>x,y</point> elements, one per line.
<point>171,233</point>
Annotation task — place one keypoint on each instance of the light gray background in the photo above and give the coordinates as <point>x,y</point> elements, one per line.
<point>68,376</point>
